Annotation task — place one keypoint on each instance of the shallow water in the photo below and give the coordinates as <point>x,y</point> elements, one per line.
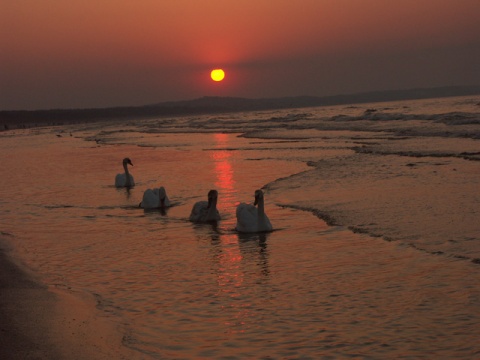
<point>306,290</point>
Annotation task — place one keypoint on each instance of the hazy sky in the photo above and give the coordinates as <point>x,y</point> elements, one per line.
<point>96,53</point>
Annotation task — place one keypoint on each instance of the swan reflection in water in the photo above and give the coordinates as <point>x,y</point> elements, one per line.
<point>234,255</point>
<point>253,248</point>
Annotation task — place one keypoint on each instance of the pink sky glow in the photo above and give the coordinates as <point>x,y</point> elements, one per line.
<point>76,53</point>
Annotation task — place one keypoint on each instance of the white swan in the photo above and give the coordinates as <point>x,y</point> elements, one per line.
<point>251,219</point>
<point>206,211</point>
<point>125,179</point>
<point>155,199</point>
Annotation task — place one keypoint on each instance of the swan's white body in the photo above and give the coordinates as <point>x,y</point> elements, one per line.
<point>206,211</point>
<point>251,219</point>
<point>155,199</point>
<point>125,179</point>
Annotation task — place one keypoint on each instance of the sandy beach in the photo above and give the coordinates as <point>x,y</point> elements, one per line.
<point>38,322</point>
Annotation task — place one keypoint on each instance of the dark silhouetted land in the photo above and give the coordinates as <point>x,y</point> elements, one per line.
<point>212,105</point>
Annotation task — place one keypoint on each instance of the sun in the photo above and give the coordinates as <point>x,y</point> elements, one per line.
<point>217,75</point>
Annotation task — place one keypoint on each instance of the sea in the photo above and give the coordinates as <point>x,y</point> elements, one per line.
<point>375,251</point>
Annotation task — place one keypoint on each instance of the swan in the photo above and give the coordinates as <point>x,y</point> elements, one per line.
<point>126,179</point>
<point>155,199</point>
<point>206,211</point>
<point>251,219</point>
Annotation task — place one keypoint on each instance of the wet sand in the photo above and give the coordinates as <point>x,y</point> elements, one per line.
<point>38,322</point>
<point>429,201</point>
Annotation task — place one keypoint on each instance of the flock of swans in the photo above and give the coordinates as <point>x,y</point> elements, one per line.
<point>250,218</point>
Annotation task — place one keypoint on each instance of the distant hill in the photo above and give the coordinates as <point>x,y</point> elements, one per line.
<point>211,104</point>
<point>224,104</point>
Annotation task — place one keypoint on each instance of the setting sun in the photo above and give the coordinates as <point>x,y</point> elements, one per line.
<point>217,75</point>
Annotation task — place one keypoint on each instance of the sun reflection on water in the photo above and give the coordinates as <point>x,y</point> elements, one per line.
<point>230,277</point>
<point>224,172</point>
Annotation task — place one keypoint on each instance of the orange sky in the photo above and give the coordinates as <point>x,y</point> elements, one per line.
<point>81,53</point>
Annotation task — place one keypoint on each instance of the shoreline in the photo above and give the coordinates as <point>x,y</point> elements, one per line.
<point>41,322</point>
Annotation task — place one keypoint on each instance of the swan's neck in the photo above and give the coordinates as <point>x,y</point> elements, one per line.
<point>212,211</point>
<point>261,209</point>
<point>127,175</point>
<point>262,222</point>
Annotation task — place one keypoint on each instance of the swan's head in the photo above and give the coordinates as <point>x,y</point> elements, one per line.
<point>212,197</point>
<point>258,196</point>
<point>127,161</point>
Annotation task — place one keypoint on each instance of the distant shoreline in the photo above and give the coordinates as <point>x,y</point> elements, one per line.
<point>14,119</point>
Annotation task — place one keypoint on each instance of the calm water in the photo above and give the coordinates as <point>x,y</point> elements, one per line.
<point>394,278</point>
